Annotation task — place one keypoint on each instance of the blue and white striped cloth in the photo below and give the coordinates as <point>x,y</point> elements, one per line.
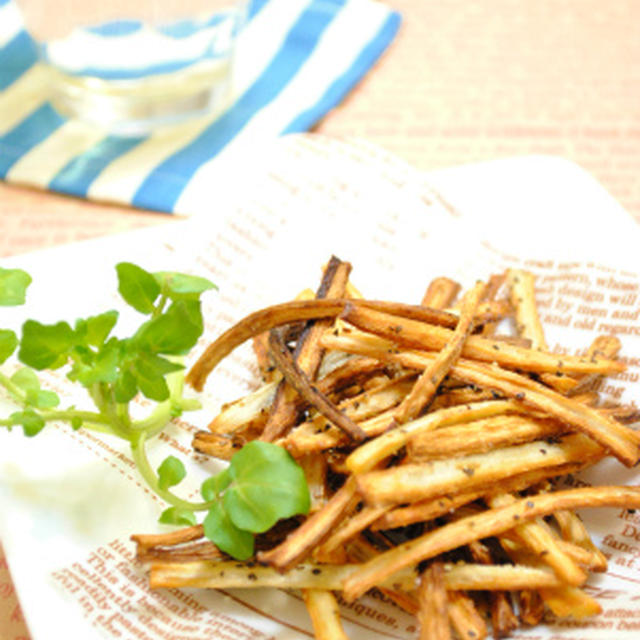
<point>296,59</point>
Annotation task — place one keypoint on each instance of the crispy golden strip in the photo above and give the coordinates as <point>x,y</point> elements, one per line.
<point>406,601</point>
<point>324,613</point>
<point>352,527</point>
<point>441,293</point>
<point>218,445</point>
<point>369,454</point>
<point>493,310</point>
<point>426,510</point>
<point>462,395</point>
<point>190,552</point>
<point>238,575</point>
<point>592,559</point>
<point>303,366</point>
<point>252,410</point>
<point>226,574</point>
<point>542,543</point>
<point>263,359</point>
<point>314,466</point>
<point>584,557</point>
<point>514,340</point>
<point>348,372</point>
<point>353,291</point>
<point>410,482</point>
<point>570,602</point>
<point>298,380</point>
<point>311,533</point>
<point>531,607</point>
<point>589,398</point>
<point>297,310</point>
<point>523,298</point>
<point>423,510</point>
<point>479,436</point>
<point>464,616</point>
<point>572,529</point>
<point>188,534</point>
<point>468,576</point>
<point>430,379</point>
<point>410,333</point>
<point>483,525</point>
<point>620,440</point>
<point>603,346</point>
<point>376,399</point>
<point>503,618</point>
<point>433,614</point>
<point>529,325</point>
<point>334,557</point>
<point>625,414</point>
<point>494,285</point>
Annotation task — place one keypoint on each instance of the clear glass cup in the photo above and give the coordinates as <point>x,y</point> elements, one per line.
<point>131,66</point>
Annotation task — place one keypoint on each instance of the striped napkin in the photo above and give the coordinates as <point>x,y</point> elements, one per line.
<point>295,60</point>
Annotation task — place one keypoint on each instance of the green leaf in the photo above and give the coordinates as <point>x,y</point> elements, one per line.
<point>26,379</point>
<point>170,472</point>
<point>125,386</point>
<point>42,399</point>
<point>90,368</point>
<point>266,485</point>
<point>13,286</point>
<point>31,422</point>
<point>8,343</point>
<point>177,515</point>
<point>95,329</point>
<point>138,287</point>
<point>149,371</point>
<point>212,487</point>
<point>181,286</point>
<point>45,346</point>
<point>219,528</point>
<point>152,386</point>
<point>174,332</point>
<point>76,422</point>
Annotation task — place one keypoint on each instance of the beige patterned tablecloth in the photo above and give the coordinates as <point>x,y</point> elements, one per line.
<point>465,81</point>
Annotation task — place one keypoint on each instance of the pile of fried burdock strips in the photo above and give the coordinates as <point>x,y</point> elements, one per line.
<point>440,456</point>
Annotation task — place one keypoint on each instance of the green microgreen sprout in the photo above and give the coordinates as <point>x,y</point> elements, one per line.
<point>262,483</point>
